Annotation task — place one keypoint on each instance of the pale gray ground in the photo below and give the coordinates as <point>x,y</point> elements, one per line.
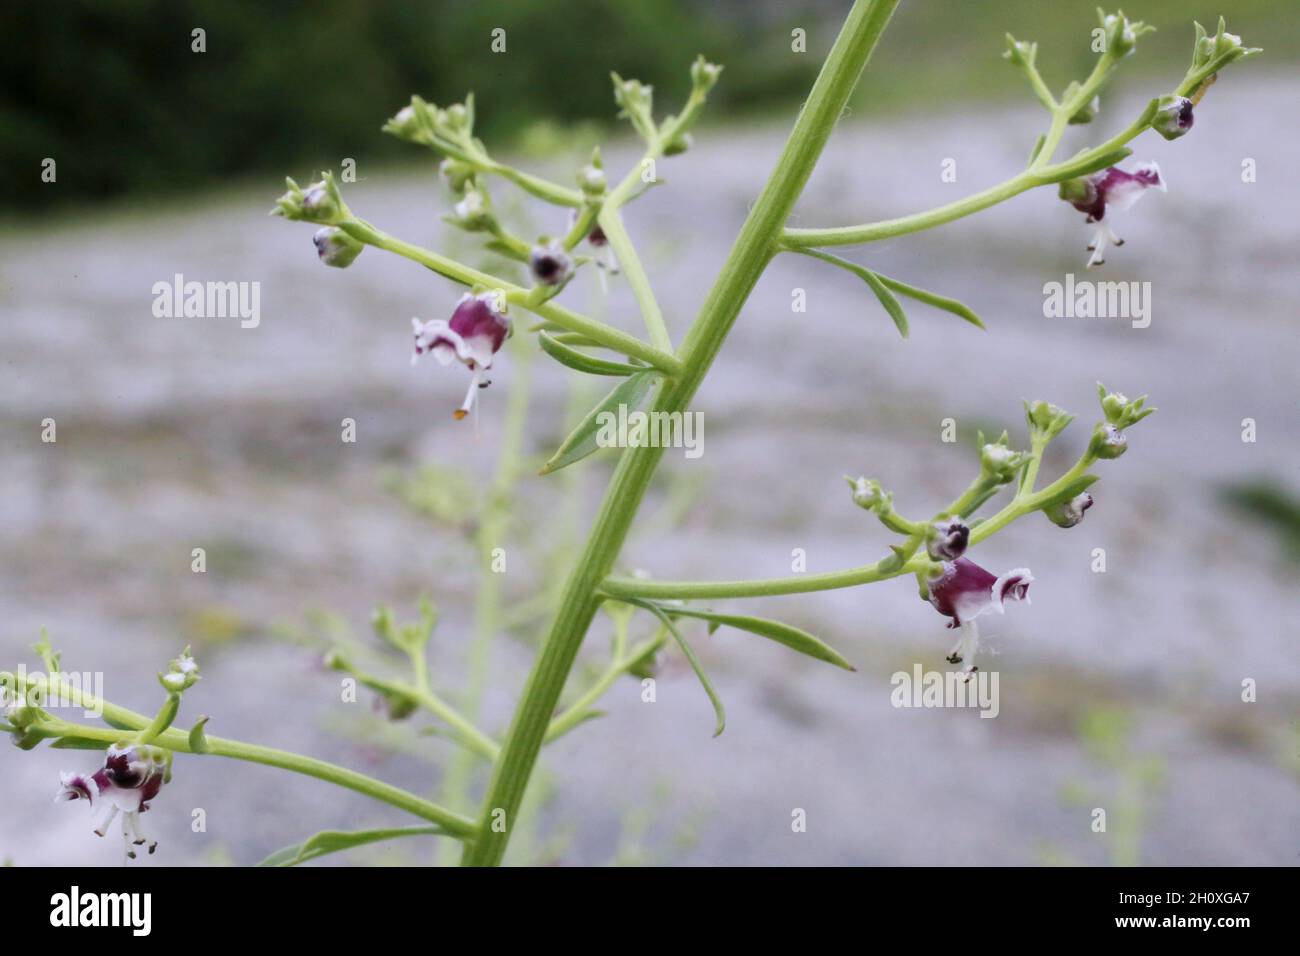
<point>179,433</point>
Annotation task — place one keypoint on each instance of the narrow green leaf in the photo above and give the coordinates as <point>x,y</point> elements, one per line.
<point>575,359</point>
<point>332,841</point>
<point>1076,487</point>
<point>887,298</point>
<point>1038,148</point>
<point>714,699</point>
<point>792,637</point>
<point>582,441</point>
<point>576,338</point>
<point>959,309</point>
<point>78,743</point>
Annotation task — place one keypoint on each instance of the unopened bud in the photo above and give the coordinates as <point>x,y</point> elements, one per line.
<point>335,247</point>
<point>1066,514</point>
<point>1173,117</point>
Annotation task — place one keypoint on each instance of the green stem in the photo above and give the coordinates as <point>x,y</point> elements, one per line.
<point>749,256</point>
<point>620,588</point>
<point>539,187</point>
<point>1038,174</point>
<point>611,223</point>
<point>487,602</point>
<point>606,335</point>
<point>166,714</point>
<point>178,741</point>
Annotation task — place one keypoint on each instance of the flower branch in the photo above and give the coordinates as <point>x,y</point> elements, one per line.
<point>40,725</point>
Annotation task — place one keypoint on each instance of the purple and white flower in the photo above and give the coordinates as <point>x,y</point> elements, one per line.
<point>947,540</point>
<point>965,592</point>
<point>472,337</point>
<point>1111,190</point>
<point>551,264</point>
<point>130,778</point>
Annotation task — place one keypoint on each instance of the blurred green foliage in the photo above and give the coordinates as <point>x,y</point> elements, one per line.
<point>1271,505</point>
<point>113,92</point>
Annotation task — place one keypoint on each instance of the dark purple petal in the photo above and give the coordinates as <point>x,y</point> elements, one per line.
<point>1013,586</point>
<point>474,318</point>
<point>1094,206</point>
<point>75,786</point>
<point>963,584</point>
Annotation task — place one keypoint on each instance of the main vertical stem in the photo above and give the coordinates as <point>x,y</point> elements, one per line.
<point>749,256</point>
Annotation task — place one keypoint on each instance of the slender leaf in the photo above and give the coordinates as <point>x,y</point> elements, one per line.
<point>714,699</point>
<point>1038,147</point>
<point>582,441</point>
<point>332,841</point>
<point>1068,493</point>
<point>959,309</point>
<point>575,359</point>
<point>792,637</point>
<point>879,287</point>
<point>78,743</point>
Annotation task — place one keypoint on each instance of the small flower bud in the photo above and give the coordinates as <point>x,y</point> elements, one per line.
<point>867,493</point>
<point>182,673</point>
<point>473,212</point>
<point>998,462</point>
<point>1046,420</point>
<point>1173,117</point>
<point>704,74</point>
<point>405,124</point>
<point>1020,53</point>
<point>335,247</point>
<point>633,95</point>
<point>1223,47</point>
<point>1107,442</point>
<point>457,174</point>
<point>551,264</point>
<point>1121,33</point>
<point>1066,514</point>
<point>455,117</point>
<point>320,202</point>
<point>1119,411</point>
<point>678,144</point>
<point>946,540</point>
<point>591,180</point>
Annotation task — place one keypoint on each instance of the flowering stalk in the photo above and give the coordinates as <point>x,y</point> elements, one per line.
<point>935,551</point>
<point>749,256</point>
<point>1209,55</point>
<point>198,742</point>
